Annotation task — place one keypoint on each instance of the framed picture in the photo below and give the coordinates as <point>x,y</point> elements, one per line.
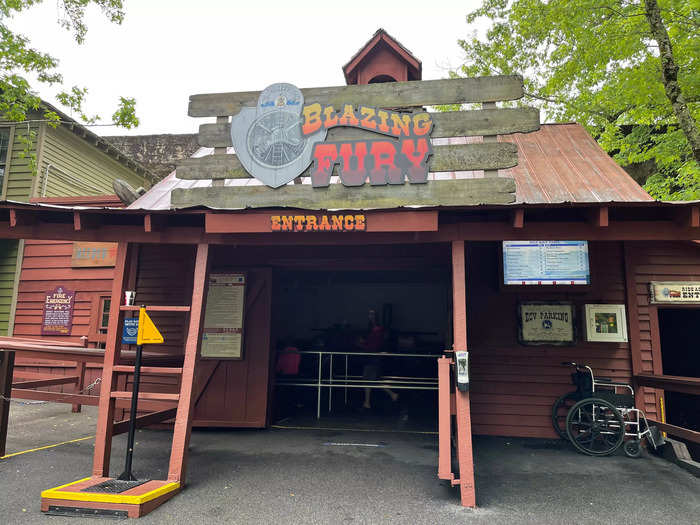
<point>546,323</point>
<point>606,323</point>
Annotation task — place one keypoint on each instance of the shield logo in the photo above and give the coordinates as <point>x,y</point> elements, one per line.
<point>268,139</point>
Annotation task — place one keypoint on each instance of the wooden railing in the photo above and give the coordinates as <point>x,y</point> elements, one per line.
<point>686,385</point>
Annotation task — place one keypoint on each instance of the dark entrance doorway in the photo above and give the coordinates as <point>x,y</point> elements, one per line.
<point>680,353</point>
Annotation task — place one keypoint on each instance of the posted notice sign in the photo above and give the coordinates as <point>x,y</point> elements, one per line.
<point>546,323</point>
<point>58,312</point>
<point>222,337</point>
<point>674,292</point>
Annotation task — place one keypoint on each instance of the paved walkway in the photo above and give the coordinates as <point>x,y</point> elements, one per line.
<point>333,476</point>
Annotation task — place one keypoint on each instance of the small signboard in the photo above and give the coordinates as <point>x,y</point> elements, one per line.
<point>130,330</point>
<point>546,323</point>
<point>93,254</point>
<point>58,312</point>
<point>222,337</point>
<point>687,292</point>
<point>606,323</point>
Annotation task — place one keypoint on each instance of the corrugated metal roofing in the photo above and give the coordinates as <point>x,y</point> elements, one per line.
<point>559,163</point>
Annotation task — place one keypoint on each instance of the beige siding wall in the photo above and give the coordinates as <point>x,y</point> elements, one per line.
<point>77,168</point>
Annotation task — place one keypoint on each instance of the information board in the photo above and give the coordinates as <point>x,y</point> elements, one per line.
<point>545,262</point>
<point>222,337</point>
<point>57,317</point>
<point>546,323</point>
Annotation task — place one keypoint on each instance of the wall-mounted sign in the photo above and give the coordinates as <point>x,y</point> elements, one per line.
<point>674,292</point>
<point>58,312</point>
<point>318,223</point>
<point>277,140</point>
<point>545,262</point>
<point>222,337</point>
<point>130,330</point>
<point>93,254</point>
<point>546,323</point>
<point>606,322</point>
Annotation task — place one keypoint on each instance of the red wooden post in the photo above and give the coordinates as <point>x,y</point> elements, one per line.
<point>7,359</point>
<point>80,382</point>
<point>105,417</point>
<point>464,425</point>
<point>444,419</point>
<point>185,407</point>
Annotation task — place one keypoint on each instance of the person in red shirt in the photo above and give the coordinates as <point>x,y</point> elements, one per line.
<point>374,343</point>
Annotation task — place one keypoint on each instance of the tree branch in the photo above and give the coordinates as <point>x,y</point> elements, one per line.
<point>669,72</point>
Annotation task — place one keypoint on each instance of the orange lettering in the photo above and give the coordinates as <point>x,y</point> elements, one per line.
<point>330,119</point>
<point>311,223</point>
<point>337,222</point>
<point>312,119</point>
<point>275,223</point>
<point>349,222</point>
<point>369,114</point>
<point>324,225</point>
<point>402,124</point>
<point>360,222</point>
<point>348,118</point>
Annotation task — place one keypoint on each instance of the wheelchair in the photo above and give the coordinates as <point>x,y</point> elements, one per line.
<point>600,416</point>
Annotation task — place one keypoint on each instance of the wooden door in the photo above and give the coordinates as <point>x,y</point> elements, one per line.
<point>235,393</point>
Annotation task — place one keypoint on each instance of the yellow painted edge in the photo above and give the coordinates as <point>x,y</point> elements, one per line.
<point>55,493</point>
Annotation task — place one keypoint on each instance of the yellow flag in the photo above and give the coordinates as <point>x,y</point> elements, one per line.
<point>148,333</point>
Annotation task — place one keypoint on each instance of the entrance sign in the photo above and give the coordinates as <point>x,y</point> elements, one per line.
<point>543,323</point>
<point>222,337</point>
<point>93,254</point>
<point>277,140</point>
<point>317,223</point>
<point>268,138</point>
<point>674,292</point>
<point>545,262</point>
<point>58,312</point>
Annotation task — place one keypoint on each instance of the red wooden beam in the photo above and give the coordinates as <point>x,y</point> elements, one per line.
<point>686,385</point>
<point>185,407</point>
<point>145,420</point>
<point>683,433</point>
<point>84,221</point>
<point>64,380</point>
<point>463,417</point>
<point>598,217</point>
<point>154,223</point>
<point>688,217</point>
<point>19,218</point>
<point>105,417</point>
<point>518,218</point>
<point>56,397</point>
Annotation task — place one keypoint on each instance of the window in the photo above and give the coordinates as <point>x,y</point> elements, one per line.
<point>4,146</point>
<point>99,320</point>
<point>104,315</point>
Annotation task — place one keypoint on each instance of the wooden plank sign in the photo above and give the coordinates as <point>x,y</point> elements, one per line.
<point>57,316</point>
<point>93,254</point>
<point>546,323</point>
<point>681,292</point>
<point>222,337</point>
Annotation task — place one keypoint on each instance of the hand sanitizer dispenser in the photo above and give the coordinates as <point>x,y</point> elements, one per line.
<point>462,360</point>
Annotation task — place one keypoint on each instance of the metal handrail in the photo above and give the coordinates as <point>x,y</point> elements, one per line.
<point>346,381</point>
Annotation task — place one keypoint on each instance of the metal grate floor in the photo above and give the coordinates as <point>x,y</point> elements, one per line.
<point>114,486</point>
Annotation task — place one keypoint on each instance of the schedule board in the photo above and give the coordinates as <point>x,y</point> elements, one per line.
<point>545,262</point>
<point>222,336</point>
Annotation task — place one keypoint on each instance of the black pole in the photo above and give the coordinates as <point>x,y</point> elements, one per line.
<point>127,475</point>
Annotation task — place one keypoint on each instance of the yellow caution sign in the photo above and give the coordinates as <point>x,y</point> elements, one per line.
<point>148,333</point>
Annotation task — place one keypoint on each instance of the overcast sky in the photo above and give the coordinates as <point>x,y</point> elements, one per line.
<point>167,50</point>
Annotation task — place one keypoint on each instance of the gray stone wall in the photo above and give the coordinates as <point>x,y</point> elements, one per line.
<point>157,153</point>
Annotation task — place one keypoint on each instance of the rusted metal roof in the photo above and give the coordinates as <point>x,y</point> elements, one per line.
<point>560,163</point>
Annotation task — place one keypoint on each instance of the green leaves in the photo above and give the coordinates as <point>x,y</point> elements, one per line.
<point>596,62</point>
<point>18,60</point>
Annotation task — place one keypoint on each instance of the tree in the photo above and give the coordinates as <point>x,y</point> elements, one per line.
<point>628,70</point>
<point>18,60</point>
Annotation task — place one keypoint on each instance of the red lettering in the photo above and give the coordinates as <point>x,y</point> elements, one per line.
<point>324,155</point>
<point>384,168</point>
<point>352,169</point>
<point>416,151</point>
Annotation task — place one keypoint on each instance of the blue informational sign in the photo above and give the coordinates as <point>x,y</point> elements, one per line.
<point>131,329</point>
<point>546,262</point>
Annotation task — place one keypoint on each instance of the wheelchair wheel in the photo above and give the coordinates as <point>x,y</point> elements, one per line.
<point>633,448</point>
<point>595,427</point>
<point>560,409</point>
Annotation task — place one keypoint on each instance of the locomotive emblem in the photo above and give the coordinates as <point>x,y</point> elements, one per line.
<point>268,138</point>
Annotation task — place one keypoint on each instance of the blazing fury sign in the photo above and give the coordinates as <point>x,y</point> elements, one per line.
<point>278,140</point>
